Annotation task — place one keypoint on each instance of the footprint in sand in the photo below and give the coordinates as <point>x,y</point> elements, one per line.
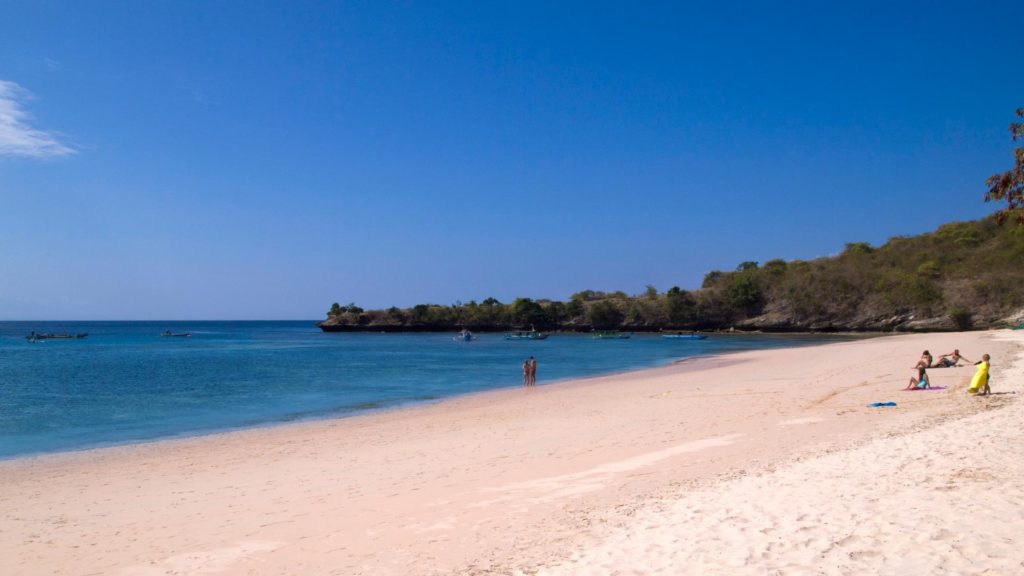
<point>848,540</point>
<point>862,554</point>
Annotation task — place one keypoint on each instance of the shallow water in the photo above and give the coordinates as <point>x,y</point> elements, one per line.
<point>125,383</point>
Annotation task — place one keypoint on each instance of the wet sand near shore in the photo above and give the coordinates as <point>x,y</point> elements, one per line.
<point>512,481</point>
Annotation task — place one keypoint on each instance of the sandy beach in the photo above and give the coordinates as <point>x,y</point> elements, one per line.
<point>750,463</point>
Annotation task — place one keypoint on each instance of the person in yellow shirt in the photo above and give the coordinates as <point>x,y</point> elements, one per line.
<point>980,379</point>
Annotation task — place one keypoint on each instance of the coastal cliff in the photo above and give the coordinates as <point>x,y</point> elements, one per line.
<point>964,275</point>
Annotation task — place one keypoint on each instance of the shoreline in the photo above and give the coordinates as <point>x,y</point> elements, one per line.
<point>327,416</point>
<point>482,483</point>
<point>154,443</point>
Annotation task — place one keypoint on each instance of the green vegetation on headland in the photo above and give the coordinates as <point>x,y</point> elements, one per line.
<point>963,275</point>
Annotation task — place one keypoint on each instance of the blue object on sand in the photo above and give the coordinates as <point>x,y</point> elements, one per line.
<point>879,404</point>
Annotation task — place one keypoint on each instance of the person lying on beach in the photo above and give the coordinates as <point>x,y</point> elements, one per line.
<point>921,382</point>
<point>949,360</point>
<point>980,380</point>
<point>926,357</point>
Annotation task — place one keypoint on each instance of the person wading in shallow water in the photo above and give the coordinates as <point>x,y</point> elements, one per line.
<point>526,372</point>
<point>533,371</point>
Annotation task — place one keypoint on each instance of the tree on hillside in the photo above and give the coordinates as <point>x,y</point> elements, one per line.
<point>680,306</point>
<point>712,278</point>
<point>604,315</point>
<point>526,312</point>
<point>743,293</point>
<point>858,248</point>
<point>574,309</point>
<point>337,309</point>
<point>1009,185</point>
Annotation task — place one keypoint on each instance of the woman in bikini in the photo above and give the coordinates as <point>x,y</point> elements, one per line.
<point>921,382</point>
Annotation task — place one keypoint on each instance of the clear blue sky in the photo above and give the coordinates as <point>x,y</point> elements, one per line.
<point>185,160</point>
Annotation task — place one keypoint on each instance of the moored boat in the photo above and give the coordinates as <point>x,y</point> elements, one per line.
<point>464,336</point>
<point>528,335</point>
<point>168,333</point>
<point>685,336</point>
<point>611,335</point>
<point>36,337</point>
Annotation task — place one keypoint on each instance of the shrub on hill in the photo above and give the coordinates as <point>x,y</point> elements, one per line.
<point>963,275</point>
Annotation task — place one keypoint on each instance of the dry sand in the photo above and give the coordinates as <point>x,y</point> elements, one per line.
<point>754,462</point>
<point>944,499</point>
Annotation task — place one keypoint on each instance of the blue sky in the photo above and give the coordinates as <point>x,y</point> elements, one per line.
<point>186,160</point>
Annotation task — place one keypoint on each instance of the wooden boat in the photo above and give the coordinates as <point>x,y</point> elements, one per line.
<point>36,337</point>
<point>169,334</point>
<point>530,335</point>
<point>611,335</point>
<point>687,336</point>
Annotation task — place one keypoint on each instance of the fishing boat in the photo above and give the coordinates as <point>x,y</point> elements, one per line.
<point>36,337</point>
<point>685,336</point>
<point>464,336</point>
<point>527,335</point>
<point>611,335</point>
<point>169,334</point>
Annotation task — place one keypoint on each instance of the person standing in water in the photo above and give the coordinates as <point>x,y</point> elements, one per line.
<point>526,372</point>
<point>533,371</point>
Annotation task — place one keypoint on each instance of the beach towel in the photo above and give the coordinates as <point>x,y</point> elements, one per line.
<point>880,404</point>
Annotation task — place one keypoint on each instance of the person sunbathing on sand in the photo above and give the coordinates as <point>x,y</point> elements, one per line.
<point>926,357</point>
<point>949,360</point>
<point>921,382</point>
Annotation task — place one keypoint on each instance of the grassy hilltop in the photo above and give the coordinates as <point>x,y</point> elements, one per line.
<point>963,275</point>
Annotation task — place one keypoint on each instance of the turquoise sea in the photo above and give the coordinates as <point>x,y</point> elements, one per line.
<point>125,383</point>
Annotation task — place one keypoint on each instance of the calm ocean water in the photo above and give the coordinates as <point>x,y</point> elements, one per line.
<point>124,383</point>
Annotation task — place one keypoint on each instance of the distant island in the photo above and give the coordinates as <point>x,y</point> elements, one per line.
<point>964,275</point>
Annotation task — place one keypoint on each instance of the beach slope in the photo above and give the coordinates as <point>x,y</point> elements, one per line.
<point>745,462</point>
<point>943,499</point>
